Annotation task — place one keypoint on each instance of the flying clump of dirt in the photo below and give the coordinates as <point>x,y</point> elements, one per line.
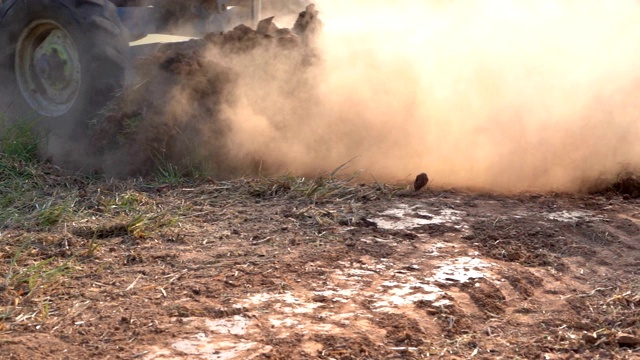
<point>176,113</point>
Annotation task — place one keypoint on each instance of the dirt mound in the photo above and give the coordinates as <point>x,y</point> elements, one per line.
<point>173,113</point>
<point>627,185</point>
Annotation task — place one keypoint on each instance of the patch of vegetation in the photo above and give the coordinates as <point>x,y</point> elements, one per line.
<point>187,170</point>
<point>168,173</point>
<point>126,203</point>
<point>19,140</point>
<point>18,168</point>
<point>328,186</point>
<point>51,214</point>
<point>27,277</point>
<point>145,225</point>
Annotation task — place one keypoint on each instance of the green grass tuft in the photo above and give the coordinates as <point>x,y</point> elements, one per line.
<point>50,214</point>
<point>19,140</point>
<point>168,173</point>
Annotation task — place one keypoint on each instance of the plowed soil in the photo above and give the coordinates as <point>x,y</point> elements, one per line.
<point>255,270</point>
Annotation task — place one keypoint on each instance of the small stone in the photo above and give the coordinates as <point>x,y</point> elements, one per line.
<point>469,236</point>
<point>627,340</point>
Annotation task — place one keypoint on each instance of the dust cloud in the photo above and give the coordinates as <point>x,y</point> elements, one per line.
<point>497,95</point>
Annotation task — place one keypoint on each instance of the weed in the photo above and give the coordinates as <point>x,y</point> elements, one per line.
<point>132,124</point>
<point>17,255</point>
<point>44,310</point>
<point>143,225</point>
<point>18,167</point>
<point>126,203</point>
<point>39,273</point>
<point>19,140</point>
<point>50,215</point>
<point>168,173</point>
<point>33,275</point>
<point>92,248</point>
<point>124,130</point>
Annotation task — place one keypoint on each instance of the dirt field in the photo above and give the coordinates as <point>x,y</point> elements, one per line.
<point>290,268</point>
<point>182,266</point>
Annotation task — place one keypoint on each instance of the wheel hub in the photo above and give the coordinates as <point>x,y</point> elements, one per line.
<point>48,68</point>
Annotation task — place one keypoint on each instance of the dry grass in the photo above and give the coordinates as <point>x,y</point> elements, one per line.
<point>54,222</point>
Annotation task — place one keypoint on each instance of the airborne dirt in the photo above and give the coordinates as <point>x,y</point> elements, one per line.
<point>179,109</point>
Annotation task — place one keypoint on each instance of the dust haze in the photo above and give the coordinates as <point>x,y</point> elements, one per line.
<point>528,95</point>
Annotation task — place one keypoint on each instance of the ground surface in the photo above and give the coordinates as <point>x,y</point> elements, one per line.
<point>292,268</point>
<point>318,269</point>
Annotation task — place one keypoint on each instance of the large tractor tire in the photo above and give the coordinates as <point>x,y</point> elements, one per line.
<point>62,60</point>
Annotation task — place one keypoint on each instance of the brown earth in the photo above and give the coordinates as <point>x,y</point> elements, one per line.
<point>294,269</point>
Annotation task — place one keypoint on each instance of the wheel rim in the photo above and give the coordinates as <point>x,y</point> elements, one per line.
<point>47,68</point>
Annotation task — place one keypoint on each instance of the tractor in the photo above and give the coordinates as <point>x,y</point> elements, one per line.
<point>64,60</point>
